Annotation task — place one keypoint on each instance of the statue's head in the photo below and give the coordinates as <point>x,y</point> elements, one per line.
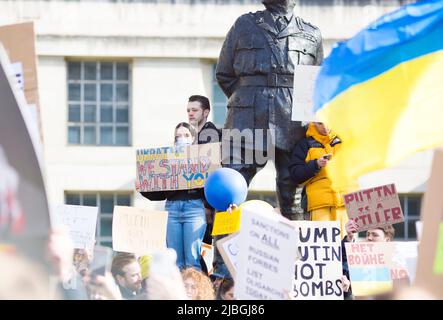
<point>279,6</point>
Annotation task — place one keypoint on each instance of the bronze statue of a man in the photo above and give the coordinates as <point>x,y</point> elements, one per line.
<point>256,72</point>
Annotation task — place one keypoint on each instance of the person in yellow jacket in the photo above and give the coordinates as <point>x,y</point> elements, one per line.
<point>309,159</point>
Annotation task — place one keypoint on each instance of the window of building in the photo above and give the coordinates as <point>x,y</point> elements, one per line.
<point>105,203</point>
<point>219,102</point>
<point>411,207</point>
<point>99,103</point>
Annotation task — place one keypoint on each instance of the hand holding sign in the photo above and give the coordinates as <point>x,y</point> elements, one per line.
<point>351,229</point>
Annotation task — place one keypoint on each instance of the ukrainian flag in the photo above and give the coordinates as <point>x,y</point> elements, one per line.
<point>382,91</point>
<point>368,281</point>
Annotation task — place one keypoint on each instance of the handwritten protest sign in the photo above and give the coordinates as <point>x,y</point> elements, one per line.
<point>374,207</point>
<point>267,252</point>
<point>81,222</point>
<point>319,269</point>
<point>304,85</point>
<point>139,231</point>
<point>228,248</point>
<point>176,168</point>
<point>369,267</point>
<point>227,222</point>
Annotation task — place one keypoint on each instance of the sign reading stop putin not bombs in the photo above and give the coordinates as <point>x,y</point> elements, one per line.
<point>176,168</point>
<point>266,256</point>
<point>318,271</point>
<point>374,207</point>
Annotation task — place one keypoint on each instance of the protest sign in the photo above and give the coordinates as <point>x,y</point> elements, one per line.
<point>267,253</point>
<point>431,215</point>
<point>228,248</point>
<point>176,168</point>
<point>404,260</point>
<point>438,262</point>
<point>304,84</point>
<point>81,222</point>
<point>139,231</point>
<point>207,253</point>
<point>418,229</point>
<point>369,268</point>
<point>19,42</point>
<point>319,269</point>
<point>21,156</point>
<point>227,222</point>
<point>374,207</point>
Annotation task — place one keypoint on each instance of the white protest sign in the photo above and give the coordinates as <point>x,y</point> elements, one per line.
<point>228,247</point>
<point>81,222</point>
<point>267,252</point>
<point>319,269</point>
<point>418,229</point>
<point>304,85</point>
<point>139,231</point>
<point>17,73</point>
<point>404,262</point>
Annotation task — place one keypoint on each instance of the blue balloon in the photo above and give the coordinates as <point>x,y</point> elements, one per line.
<point>224,187</point>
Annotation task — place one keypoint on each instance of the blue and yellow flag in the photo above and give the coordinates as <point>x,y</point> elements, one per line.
<point>382,91</point>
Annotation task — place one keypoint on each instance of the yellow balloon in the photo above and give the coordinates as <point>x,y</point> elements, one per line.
<point>257,203</point>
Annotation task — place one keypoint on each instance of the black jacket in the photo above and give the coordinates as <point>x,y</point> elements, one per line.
<point>301,170</point>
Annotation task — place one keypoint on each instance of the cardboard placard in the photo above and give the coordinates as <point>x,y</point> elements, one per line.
<point>319,269</point>
<point>304,85</point>
<point>267,252</point>
<point>228,248</point>
<point>19,42</point>
<point>81,222</point>
<point>227,222</point>
<point>374,207</point>
<point>139,231</point>
<point>176,168</point>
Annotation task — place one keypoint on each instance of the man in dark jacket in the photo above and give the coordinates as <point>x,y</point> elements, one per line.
<point>256,72</point>
<point>198,110</point>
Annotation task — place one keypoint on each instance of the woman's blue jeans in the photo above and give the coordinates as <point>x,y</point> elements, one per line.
<point>185,231</point>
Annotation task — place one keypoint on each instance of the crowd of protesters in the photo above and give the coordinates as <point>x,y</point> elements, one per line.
<point>180,272</point>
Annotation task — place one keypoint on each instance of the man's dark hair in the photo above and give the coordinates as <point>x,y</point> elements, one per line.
<point>204,102</point>
<point>121,260</point>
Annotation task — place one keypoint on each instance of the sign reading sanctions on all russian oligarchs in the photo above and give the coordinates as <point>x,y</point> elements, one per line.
<point>374,207</point>
<point>266,256</point>
<point>176,168</point>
